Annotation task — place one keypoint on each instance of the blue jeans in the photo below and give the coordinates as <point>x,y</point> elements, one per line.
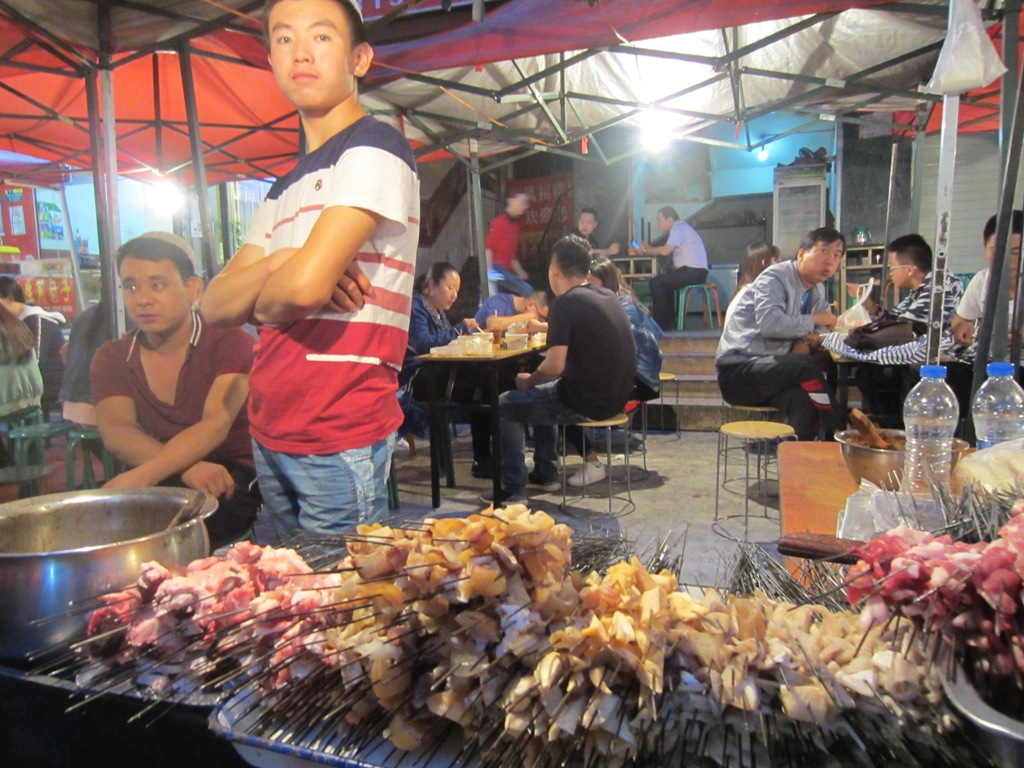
<point>328,493</point>
<point>506,281</point>
<point>540,407</point>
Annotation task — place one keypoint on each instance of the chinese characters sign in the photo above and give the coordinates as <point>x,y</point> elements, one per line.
<point>54,293</point>
<point>551,200</point>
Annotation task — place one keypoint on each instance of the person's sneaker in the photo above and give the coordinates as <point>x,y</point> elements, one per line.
<point>592,472</point>
<point>543,481</point>
<point>481,469</point>
<point>487,497</point>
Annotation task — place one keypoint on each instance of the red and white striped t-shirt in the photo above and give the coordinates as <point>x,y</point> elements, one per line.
<point>328,383</point>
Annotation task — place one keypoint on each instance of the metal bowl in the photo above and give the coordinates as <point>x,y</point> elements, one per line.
<point>882,466</point>
<point>60,550</point>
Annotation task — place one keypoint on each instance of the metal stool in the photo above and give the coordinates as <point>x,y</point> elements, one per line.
<point>665,378</point>
<point>619,420</point>
<point>755,412</point>
<point>708,291</point>
<point>88,438</point>
<point>29,478</point>
<point>634,406</point>
<point>756,437</point>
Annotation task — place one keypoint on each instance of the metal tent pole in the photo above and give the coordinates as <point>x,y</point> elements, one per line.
<point>476,205</point>
<point>943,211</point>
<point>198,163</point>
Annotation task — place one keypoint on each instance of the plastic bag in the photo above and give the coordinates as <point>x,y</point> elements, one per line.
<point>857,315</point>
<point>872,511</point>
<point>968,59</point>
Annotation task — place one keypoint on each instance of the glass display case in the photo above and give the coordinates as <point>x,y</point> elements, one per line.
<point>798,205</point>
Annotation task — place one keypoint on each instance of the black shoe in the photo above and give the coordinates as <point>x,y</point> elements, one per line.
<point>482,469</point>
<point>544,481</point>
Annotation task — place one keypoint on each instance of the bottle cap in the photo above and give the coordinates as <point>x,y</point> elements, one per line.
<point>933,372</point>
<point>1000,369</point>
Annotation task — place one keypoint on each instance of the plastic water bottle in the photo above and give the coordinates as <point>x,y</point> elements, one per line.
<point>998,408</point>
<point>930,414</point>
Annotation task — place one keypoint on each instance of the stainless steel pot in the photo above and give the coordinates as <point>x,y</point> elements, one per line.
<point>60,550</point>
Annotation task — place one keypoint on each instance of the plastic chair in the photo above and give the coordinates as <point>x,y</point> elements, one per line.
<point>88,438</point>
<point>709,291</point>
<point>28,441</point>
<point>620,420</point>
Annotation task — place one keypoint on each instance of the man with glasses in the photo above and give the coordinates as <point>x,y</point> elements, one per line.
<point>888,374</point>
<point>762,357</point>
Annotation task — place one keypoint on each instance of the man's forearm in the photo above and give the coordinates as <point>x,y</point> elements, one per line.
<point>230,298</point>
<point>184,450</point>
<point>129,444</point>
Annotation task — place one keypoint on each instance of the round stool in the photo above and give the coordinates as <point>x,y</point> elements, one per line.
<point>709,291</point>
<point>29,478</point>
<point>88,438</point>
<point>29,441</point>
<point>755,412</point>
<point>619,420</point>
<point>665,378</point>
<point>757,437</point>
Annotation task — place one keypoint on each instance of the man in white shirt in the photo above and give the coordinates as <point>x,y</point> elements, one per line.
<point>689,264</point>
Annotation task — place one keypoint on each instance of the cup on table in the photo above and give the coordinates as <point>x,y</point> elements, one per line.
<point>496,336</point>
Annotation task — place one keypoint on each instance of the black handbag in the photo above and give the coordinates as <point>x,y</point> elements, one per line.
<point>885,332</point>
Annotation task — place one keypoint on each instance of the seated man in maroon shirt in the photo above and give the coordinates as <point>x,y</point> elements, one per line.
<point>170,395</point>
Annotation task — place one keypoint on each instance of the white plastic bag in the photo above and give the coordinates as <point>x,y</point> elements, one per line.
<point>968,59</point>
<point>857,315</point>
<point>872,511</point>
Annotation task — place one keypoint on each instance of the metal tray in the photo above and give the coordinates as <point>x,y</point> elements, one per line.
<point>233,721</point>
<point>1003,735</point>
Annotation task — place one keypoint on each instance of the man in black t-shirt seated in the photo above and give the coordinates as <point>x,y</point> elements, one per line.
<point>587,373</point>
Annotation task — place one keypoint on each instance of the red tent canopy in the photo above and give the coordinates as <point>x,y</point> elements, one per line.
<point>247,128</point>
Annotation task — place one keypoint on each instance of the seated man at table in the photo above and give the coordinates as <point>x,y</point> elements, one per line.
<point>170,395</point>
<point>503,309</point>
<point>585,226</point>
<point>587,373</point>
<point>971,309</point>
<point>689,264</point>
<point>762,357</point>
<point>887,375</point>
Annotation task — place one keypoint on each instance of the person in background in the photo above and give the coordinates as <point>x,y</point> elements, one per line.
<point>21,384</point>
<point>689,264</point>
<point>971,309</point>
<point>503,309</point>
<point>785,306</point>
<point>429,327</point>
<point>89,331</point>
<point>585,227</point>
<point>587,374</point>
<point>646,384</point>
<point>170,395</point>
<point>758,258</point>
<point>883,386</point>
<point>327,270</point>
<point>502,247</point>
<point>46,327</point>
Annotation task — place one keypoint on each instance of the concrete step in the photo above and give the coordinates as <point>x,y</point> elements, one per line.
<point>690,341</point>
<point>689,363</point>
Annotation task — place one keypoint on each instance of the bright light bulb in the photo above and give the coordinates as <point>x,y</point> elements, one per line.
<point>657,130</point>
<point>762,155</point>
<point>166,197</point>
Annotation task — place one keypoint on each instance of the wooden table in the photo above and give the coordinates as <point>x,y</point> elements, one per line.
<point>813,487</point>
<point>492,366</point>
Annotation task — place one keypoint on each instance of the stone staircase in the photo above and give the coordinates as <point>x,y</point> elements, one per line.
<point>690,355</point>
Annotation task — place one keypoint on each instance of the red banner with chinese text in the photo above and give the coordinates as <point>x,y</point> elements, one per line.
<point>551,199</point>
<point>53,293</point>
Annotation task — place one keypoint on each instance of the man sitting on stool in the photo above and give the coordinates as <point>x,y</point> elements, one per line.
<point>689,265</point>
<point>587,373</point>
<point>170,395</point>
<point>762,357</point>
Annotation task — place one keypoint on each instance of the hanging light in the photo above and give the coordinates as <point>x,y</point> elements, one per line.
<point>657,130</point>
<point>166,197</point>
